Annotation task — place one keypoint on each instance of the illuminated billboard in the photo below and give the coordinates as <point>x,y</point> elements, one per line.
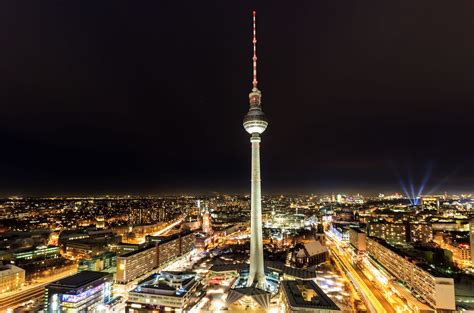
<point>81,296</point>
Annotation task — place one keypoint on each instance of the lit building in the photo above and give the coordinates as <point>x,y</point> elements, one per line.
<point>40,252</point>
<point>390,232</point>
<point>401,233</point>
<point>437,290</point>
<point>171,247</point>
<point>286,221</point>
<point>276,270</point>
<point>420,232</point>
<point>11,277</point>
<point>461,250</point>
<point>206,222</point>
<point>187,242</point>
<point>309,253</point>
<point>84,248</point>
<point>122,248</point>
<point>305,296</point>
<point>202,240</point>
<point>471,237</point>
<point>340,231</point>
<point>461,254</point>
<point>100,222</point>
<point>430,202</point>
<point>136,263</point>
<point>82,292</point>
<point>165,292</point>
<point>168,249</point>
<point>450,225</point>
<point>98,263</point>
<point>357,238</point>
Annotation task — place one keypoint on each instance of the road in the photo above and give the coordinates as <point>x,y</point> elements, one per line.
<point>21,297</point>
<point>374,300</point>
<point>406,301</point>
<point>169,227</point>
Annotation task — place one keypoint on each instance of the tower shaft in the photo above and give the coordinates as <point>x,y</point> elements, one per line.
<point>256,271</point>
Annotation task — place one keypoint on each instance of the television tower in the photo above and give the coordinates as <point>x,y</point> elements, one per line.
<point>255,124</point>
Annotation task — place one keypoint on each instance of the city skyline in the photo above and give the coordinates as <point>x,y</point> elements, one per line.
<point>127,166</point>
<point>369,91</point>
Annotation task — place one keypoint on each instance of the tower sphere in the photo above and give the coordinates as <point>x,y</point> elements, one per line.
<point>255,121</point>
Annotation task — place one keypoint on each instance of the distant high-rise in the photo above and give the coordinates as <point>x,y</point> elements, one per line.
<point>471,234</point>
<point>206,222</point>
<point>255,124</point>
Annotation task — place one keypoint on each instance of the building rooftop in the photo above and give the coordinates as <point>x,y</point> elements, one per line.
<point>311,248</point>
<point>164,239</point>
<point>126,255</point>
<point>9,269</point>
<point>357,229</point>
<point>161,284</point>
<point>307,294</point>
<point>80,279</point>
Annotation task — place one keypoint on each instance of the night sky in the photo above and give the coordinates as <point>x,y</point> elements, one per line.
<point>148,96</point>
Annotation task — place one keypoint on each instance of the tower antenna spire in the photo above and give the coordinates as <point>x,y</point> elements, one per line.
<point>254,41</point>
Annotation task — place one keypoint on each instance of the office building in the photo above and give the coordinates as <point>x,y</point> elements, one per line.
<point>436,289</point>
<point>400,233</point>
<point>31,255</point>
<point>98,263</point>
<point>122,247</point>
<point>82,292</point>
<point>471,237</point>
<point>168,249</point>
<point>11,277</point>
<point>420,232</point>
<point>135,263</point>
<point>305,296</point>
<point>206,222</point>
<point>171,247</point>
<point>187,242</point>
<point>309,253</point>
<point>84,248</point>
<point>165,292</point>
<point>357,239</point>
